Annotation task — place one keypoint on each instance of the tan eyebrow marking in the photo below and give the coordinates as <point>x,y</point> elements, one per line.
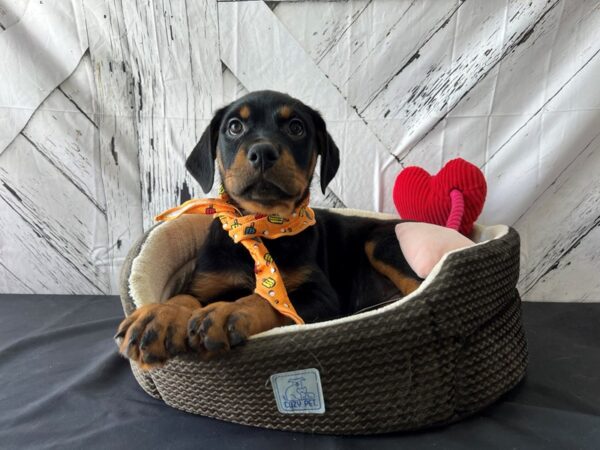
<point>285,112</point>
<point>244,112</point>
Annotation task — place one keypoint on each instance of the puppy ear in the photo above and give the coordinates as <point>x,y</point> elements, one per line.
<point>330,154</point>
<point>201,162</point>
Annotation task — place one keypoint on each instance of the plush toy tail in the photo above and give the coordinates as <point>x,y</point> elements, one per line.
<point>457,209</point>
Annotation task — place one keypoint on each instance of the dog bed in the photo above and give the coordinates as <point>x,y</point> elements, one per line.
<point>444,352</point>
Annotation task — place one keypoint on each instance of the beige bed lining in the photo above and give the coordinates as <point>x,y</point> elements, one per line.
<point>166,257</point>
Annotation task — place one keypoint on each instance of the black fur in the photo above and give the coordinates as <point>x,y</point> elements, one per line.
<point>201,162</point>
<point>330,154</point>
<point>342,280</point>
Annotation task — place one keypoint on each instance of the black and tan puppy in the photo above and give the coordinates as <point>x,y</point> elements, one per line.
<point>265,147</point>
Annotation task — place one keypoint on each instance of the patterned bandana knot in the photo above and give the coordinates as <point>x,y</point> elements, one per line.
<point>249,230</point>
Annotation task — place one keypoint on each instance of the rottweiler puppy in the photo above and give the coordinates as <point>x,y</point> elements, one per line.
<point>265,146</point>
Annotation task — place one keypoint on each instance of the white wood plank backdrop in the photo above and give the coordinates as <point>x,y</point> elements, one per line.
<point>509,85</point>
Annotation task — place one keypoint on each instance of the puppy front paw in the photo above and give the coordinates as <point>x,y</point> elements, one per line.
<point>219,327</point>
<point>154,333</point>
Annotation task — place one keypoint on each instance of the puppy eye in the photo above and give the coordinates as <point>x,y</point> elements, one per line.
<point>296,127</point>
<point>235,127</point>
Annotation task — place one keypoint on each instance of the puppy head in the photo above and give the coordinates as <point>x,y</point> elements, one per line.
<point>265,146</point>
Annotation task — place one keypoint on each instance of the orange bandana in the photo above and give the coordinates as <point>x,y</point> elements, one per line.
<point>249,230</point>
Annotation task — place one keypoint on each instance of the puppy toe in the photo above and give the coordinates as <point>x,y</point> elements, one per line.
<point>129,345</point>
<point>215,345</point>
<point>235,332</point>
<point>153,334</point>
<point>123,327</point>
<point>149,337</point>
<point>194,336</point>
<point>175,340</point>
<point>213,333</point>
<point>152,352</point>
<point>207,328</point>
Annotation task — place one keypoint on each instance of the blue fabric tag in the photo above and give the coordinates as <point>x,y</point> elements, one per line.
<point>298,392</point>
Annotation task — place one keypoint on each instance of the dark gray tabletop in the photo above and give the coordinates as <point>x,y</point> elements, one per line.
<point>62,385</point>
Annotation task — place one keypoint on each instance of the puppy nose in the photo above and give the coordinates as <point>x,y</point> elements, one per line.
<point>262,155</point>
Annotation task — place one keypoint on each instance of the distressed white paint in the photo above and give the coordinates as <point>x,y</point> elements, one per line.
<point>67,138</point>
<point>41,200</point>
<point>77,90</point>
<point>177,86</point>
<point>38,53</point>
<point>116,157</point>
<point>11,12</point>
<point>561,229</point>
<point>509,85</point>
<point>34,267</point>
<point>232,88</point>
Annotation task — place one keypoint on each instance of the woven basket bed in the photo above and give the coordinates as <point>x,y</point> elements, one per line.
<point>444,352</point>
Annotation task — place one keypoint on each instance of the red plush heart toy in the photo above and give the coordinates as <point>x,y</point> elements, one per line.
<point>453,198</point>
